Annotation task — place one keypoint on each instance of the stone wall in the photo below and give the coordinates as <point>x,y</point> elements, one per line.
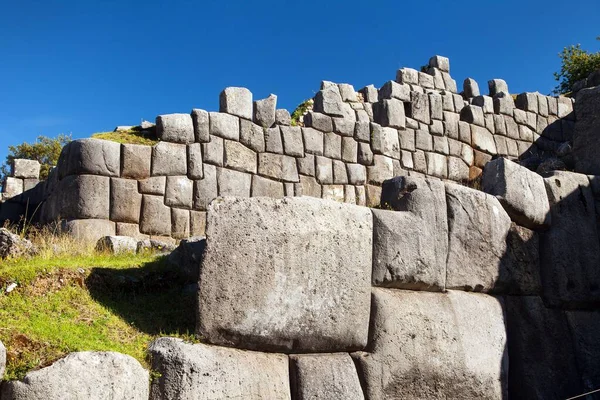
<point>21,193</point>
<point>347,145</point>
<point>444,292</point>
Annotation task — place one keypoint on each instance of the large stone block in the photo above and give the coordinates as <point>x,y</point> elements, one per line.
<point>410,244</point>
<point>225,126</point>
<point>236,101</point>
<point>213,151</point>
<point>12,187</point>
<point>313,141</point>
<point>25,169</point>
<point>521,192</point>
<point>263,187</point>
<point>201,122</point>
<point>585,328</point>
<point>169,159</point>
<point>264,111</point>
<point>520,273</point>
<point>418,108</point>
<point>542,358</point>
<point>483,140</point>
<point>135,161</point>
<point>194,161</point>
<point>569,250</point>
<point>89,230</point>
<point>83,375</point>
<point>83,196</point>
<point>278,167</point>
<point>125,201</point>
<point>586,145</point>
<point>381,170</point>
<point>154,185</point>
<point>180,223</point>
<point>205,190</point>
<point>325,376</point>
<point>390,112</point>
<point>233,183</point>
<point>198,371</point>
<point>292,141</point>
<point>239,157</point>
<point>385,141</point>
<point>252,135</point>
<point>90,156</point>
<point>329,101</point>
<point>478,227</point>
<point>297,278</point>
<point>435,346</point>
<point>177,128</point>
<point>156,216</point>
<point>273,142</point>
<point>179,192</point>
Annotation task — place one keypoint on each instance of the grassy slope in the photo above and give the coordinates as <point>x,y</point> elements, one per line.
<point>89,301</point>
<point>132,136</point>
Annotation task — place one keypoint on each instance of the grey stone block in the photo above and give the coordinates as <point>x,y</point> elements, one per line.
<point>90,156</point>
<point>197,223</point>
<point>472,114</point>
<point>117,244</point>
<point>125,201</point>
<point>325,376</point>
<point>239,157</point>
<point>585,140</point>
<point>131,230</point>
<point>393,90</point>
<point>194,161</point>
<point>344,126</point>
<point>234,183</point>
<point>205,190</point>
<point>180,223</point>
<point>306,165</point>
<point>201,122</point>
<point>497,86</point>
<point>177,128</point>
<point>485,102</point>
<point>225,126</point>
<point>213,151</point>
<point>453,347</point>
<point>470,88</point>
<point>464,132</point>
<point>482,139</point>
<point>407,75</point>
<point>310,186</point>
<point>318,121</point>
<point>26,169</point>
<point>155,217</point>
<point>369,93</point>
<point>542,105</point>
<point>235,101</point>
<point>179,192</point>
<point>440,145</point>
<point>332,145</point>
<point>329,101</point>
<point>478,227</point>
<point>349,150</point>
<point>154,185</point>
<point>196,371</point>
<point>136,161</point>
<point>418,108</point>
<point>12,187</point>
<point>339,172</point>
<point>385,141</point>
<point>504,104</point>
<point>237,304</point>
<point>283,117</point>
<point>407,139</point>
<point>585,329</point>
<point>390,112</point>
<point>565,107</point>
<point>292,141</point>
<point>324,170</point>
<point>458,170</point>
<point>521,192</point>
<point>437,165</point>
<point>527,102</point>
<point>169,159</point>
<point>424,140</point>
<point>347,92</point>
<point>334,193</point>
<point>426,80</point>
<point>381,170</point>
<point>365,155</point>
<point>84,375</point>
<point>436,128</point>
<point>83,196</point>
<point>521,274</point>
<point>252,135</point>
<point>273,142</point>
<point>362,131</point>
<point>440,62</point>
<point>88,230</point>
<point>277,166</point>
<point>357,174</point>
<point>263,187</point>
<point>313,141</point>
<point>264,111</point>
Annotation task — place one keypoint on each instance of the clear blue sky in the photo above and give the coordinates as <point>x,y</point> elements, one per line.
<point>86,66</point>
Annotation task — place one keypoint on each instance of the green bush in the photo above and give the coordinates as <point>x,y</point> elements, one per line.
<point>576,64</point>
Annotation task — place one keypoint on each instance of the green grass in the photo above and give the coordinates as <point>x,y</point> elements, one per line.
<point>100,302</point>
<point>133,136</point>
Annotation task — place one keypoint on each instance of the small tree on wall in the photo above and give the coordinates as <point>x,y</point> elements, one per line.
<point>45,150</point>
<point>576,64</point>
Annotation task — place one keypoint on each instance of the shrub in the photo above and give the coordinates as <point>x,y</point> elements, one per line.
<point>576,64</point>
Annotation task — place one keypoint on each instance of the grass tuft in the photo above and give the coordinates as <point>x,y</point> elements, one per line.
<point>132,136</point>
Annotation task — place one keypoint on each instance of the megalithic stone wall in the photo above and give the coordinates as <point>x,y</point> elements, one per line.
<point>21,192</point>
<point>349,143</point>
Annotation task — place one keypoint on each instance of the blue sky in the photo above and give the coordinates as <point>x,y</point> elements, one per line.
<point>81,67</point>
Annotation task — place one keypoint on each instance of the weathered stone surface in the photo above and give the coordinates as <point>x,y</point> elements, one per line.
<point>437,165</point>
<point>470,88</point>
<point>136,160</point>
<point>504,104</point>
<point>12,186</point>
<point>324,170</point>
<point>586,145</point>
<point>187,256</point>
<point>12,246</point>
<point>381,170</point>
<point>520,275</point>
<point>318,121</point>
<point>310,186</point>
<point>497,86</point>
<point>478,226</point>
<point>169,159</point>
<point>273,142</point>
<point>357,174</point>
<point>521,192</point>
<point>236,101</point>
<point>177,128</point>
<point>482,139</point>
<point>194,161</point>
<point>435,346</point>
<point>458,170</point>
<point>340,175</point>
<point>83,196</point>
<point>90,156</point>
<point>266,188</point>
<point>332,146</point>
<point>213,151</point>
<point>226,126</point>
<point>334,192</point>
<point>199,371</point>
<point>153,185</point>
<point>292,141</point>
<point>325,376</point>
<point>117,244</point>
<point>264,111</point>
<point>329,101</point>
<point>585,328</point>
<point>410,244</point>
<point>125,201</point>
<point>283,117</point>
<point>234,183</point>
<point>385,141</point>
<point>83,375</point>
<point>393,90</point>
<point>88,230</point>
<point>201,122</point>
<point>197,223</point>
<point>26,169</point>
<point>180,223</point>
<point>156,216</point>
<point>343,126</point>
<point>390,112</point>
<point>569,250</point>
<point>131,230</point>
<point>278,167</point>
<point>313,141</point>
<point>179,192</point>
<point>418,108</point>
<point>365,155</point>
<point>472,114</point>
<point>252,135</point>
<point>205,190</point>
<point>542,358</point>
<point>281,237</point>
<point>239,157</point>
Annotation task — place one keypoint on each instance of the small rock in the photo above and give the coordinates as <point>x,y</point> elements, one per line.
<point>154,245</point>
<point>11,287</point>
<point>12,245</point>
<point>117,244</point>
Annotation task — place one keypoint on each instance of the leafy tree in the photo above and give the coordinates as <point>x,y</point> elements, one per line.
<point>45,150</point>
<point>576,64</point>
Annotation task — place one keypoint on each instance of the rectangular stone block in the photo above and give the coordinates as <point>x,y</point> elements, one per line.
<point>278,167</point>
<point>213,151</point>
<point>90,156</point>
<point>155,217</point>
<point>252,135</point>
<point>88,230</point>
<point>201,122</point>
<point>324,170</point>
<point>239,157</point>
<point>197,223</point>
<point>176,128</point>
<point>125,201</point>
<point>292,141</point>
<point>418,108</point>
<point>180,223</point>
<point>169,159</point>
<point>267,244</point>
<point>263,187</point>
<point>332,146</point>
<point>179,192</point>
<point>25,169</point>
<point>154,185</point>
<point>385,141</point>
<point>313,141</point>
<point>83,196</point>
<point>334,193</point>
<point>131,230</point>
<point>381,170</point>
<point>306,165</point>
<point>233,183</point>
<point>273,142</point>
<point>135,161</point>
<point>194,161</point>
<point>205,190</point>
<point>225,126</point>
<point>310,186</point>
<point>236,101</point>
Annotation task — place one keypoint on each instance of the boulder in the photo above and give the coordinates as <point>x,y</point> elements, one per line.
<point>410,244</point>
<point>325,376</point>
<point>297,277</point>
<point>236,101</point>
<point>569,250</point>
<point>521,192</point>
<point>199,371</point>
<point>187,257</point>
<point>540,349</point>
<point>177,128</point>
<point>12,246</point>
<point>83,375</point>
<point>478,227</point>
<point>117,244</point>
<point>435,346</point>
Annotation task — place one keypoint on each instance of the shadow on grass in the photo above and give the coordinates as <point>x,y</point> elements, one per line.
<point>154,298</point>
